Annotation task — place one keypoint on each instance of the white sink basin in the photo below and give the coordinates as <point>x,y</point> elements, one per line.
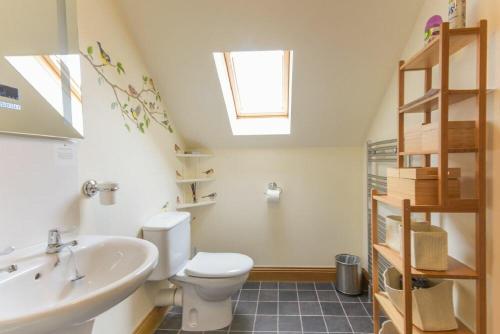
<point>40,297</point>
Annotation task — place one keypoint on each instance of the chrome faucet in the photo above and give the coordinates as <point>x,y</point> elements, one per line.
<point>55,245</point>
<point>12,267</point>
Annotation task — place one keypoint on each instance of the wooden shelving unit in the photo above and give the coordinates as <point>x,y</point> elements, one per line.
<point>437,53</point>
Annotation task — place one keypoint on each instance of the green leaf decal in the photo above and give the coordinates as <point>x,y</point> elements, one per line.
<point>90,51</point>
<point>119,68</point>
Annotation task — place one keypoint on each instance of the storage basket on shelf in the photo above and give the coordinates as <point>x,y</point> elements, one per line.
<point>429,243</point>
<point>393,232</point>
<point>388,327</point>
<point>421,185</point>
<point>432,307</point>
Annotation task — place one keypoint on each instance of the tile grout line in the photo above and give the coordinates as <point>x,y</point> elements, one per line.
<point>300,311</point>
<point>256,309</point>
<point>321,308</point>
<point>343,309</point>
<point>232,316</point>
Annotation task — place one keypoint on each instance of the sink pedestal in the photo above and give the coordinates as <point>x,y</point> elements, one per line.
<point>85,328</point>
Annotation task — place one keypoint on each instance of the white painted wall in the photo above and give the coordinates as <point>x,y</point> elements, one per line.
<point>38,192</point>
<point>319,214</point>
<point>384,126</point>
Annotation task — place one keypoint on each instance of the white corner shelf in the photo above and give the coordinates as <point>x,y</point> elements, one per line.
<point>193,205</point>
<point>201,179</point>
<point>193,155</point>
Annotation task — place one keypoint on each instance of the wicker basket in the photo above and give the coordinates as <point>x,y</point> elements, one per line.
<point>388,327</point>
<point>432,308</point>
<point>393,232</point>
<point>429,247</point>
<point>429,244</point>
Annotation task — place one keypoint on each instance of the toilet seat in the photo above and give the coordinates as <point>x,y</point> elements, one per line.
<point>218,265</point>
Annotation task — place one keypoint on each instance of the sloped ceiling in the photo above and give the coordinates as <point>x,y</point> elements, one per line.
<point>345,52</point>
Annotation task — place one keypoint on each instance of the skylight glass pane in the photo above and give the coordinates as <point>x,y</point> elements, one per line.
<point>259,79</point>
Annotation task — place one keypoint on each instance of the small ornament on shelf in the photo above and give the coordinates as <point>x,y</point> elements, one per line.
<point>209,171</point>
<point>177,149</point>
<point>179,175</point>
<point>210,196</point>
<point>194,193</point>
<point>432,28</point>
<point>456,13</point>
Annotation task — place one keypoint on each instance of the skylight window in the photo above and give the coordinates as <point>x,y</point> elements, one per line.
<point>256,86</point>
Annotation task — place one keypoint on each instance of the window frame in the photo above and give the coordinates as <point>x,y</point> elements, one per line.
<point>235,93</point>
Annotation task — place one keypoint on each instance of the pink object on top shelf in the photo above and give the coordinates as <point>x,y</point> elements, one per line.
<point>432,28</point>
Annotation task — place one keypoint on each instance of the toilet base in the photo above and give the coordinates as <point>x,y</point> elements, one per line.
<point>202,315</point>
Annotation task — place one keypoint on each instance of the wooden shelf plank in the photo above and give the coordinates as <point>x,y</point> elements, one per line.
<point>398,320</point>
<point>428,57</point>
<point>205,179</point>
<point>430,103</point>
<point>193,155</point>
<point>451,150</point>
<point>194,205</point>
<point>456,269</point>
<point>454,205</point>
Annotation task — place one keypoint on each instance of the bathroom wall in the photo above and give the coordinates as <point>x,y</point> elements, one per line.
<point>384,126</point>
<point>319,214</point>
<point>40,190</point>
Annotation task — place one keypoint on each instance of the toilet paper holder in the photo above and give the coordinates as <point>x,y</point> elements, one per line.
<point>273,186</point>
<point>91,188</point>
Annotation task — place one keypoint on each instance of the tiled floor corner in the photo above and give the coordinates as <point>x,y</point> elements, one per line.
<point>289,307</point>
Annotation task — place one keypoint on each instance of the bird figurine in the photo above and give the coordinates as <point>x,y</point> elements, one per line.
<point>209,171</point>
<point>106,59</point>
<point>132,90</point>
<point>177,149</point>
<point>210,196</point>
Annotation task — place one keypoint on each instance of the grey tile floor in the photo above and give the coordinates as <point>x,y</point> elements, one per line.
<point>289,307</point>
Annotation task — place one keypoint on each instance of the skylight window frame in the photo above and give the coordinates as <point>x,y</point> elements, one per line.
<point>235,93</point>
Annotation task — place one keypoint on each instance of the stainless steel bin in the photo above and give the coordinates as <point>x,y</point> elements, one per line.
<point>348,274</point>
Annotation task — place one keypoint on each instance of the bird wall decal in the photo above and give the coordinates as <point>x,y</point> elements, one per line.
<point>139,106</point>
<point>104,56</point>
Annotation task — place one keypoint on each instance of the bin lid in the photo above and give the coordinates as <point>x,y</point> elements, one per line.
<point>348,259</point>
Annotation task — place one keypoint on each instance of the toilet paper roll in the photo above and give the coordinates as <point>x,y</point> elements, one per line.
<point>273,195</point>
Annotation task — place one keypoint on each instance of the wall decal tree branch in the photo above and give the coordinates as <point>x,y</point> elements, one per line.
<point>137,107</point>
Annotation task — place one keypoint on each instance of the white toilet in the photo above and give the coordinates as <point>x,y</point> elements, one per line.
<point>208,280</point>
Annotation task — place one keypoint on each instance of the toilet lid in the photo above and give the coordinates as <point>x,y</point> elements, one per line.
<point>218,265</point>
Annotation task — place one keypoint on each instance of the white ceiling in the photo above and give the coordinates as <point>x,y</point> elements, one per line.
<point>345,52</point>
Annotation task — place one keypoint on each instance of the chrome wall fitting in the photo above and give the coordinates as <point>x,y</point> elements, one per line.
<point>91,188</point>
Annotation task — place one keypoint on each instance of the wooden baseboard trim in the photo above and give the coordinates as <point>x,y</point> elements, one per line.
<point>152,321</point>
<point>301,274</point>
